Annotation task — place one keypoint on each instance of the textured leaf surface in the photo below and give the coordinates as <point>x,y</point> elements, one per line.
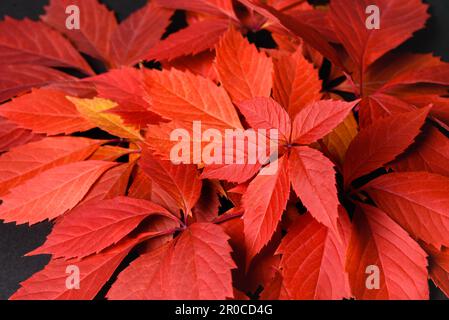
<point>95,110</point>
<point>195,266</point>
<point>25,162</point>
<point>181,182</point>
<point>20,78</point>
<point>313,179</point>
<point>194,39</point>
<point>398,19</point>
<point>36,43</point>
<point>45,111</point>
<point>312,262</point>
<point>135,36</point>
<point>247,77</point>
<point>265,113</point>
<point>296,82</point>
<point>381,143</point>
<point>92,227</point>
<point>195,98</point>
<point>92,37</point>
<point>264,203</point>
<point>51,193</point>
<point>417,201</point>
<point>50,283</point>
<point>318,119</point>
<point>377,240</point>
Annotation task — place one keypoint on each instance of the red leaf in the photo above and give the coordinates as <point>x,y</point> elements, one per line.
<point>51,193</point>
<point>195,38</point>
<point>381,143</point>
<point>92,37</point>
<point>35,43</point>
<point>92,227</point>
<point>125,86</point>
<point>27,161</point>
<point>247,77</point>
<point>398,20</point>
<point>378,241</point>
<point>95,271</point>
<point>20,78</point>
<point>296,82</point>
<point>265,113</point>
<point>111,184</point>
<point>439,268</point>
<point>313,179</point>
<point>312,263</point>
<point>222,8</point>
<point>318,119</point>
<point>430,153</point>
<point>12,136</point>
<point>181,182</point>
<point>135,36</point>
<point>196,99</point>
<point>264,203</point>
<point>417,201</point>
<point>195,266</point>
<point>298,27</point>
<point>45,111</point>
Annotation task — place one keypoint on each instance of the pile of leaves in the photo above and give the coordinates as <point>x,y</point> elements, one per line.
<point>362,179</point>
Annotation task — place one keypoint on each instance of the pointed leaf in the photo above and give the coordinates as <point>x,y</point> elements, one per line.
<point>95,110</point>
<point>195,266</point>
<point>398,20</point>
<point>318,119</point>
<point>51,193</point>
<point>312,263</point>
<point>35,43</point>
<point>296,82</point>
<point>247,77</point>
<point>381,143</point>
<point>191,40</point>
<point>417,201</point>
<point>45,111</point>
<point>265,113</point>
<point>264,202</point>
<point>135,36</point>
<point>378,241</point>
<point>195,98</point>
<point>92,227</point>
<point>313,179</point>
<point>27,161</point>
<point>92,37</point>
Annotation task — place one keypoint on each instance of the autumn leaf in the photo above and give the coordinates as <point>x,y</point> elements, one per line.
<point>45,111</point>
<point>51,193</point>
<point>312,263</point>
<point>42,46</point>
<point>296,82</point>
<point>191,40</point>
<point>378,243</point>
<point>264,202</point>
<point>95,111</point>
<point>248,77</point>
<point>92,227</point>
<point>26,161</point>
<point>415,200</point>
<point>91,37</point>
<point>196,266</point>
<point>396,132</point>
<point>135,36</point>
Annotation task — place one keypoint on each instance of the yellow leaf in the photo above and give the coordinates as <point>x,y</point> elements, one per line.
<point>337,142</point>
<point>95,111</point>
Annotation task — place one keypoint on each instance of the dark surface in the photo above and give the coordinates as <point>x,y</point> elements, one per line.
<point>15,241</point>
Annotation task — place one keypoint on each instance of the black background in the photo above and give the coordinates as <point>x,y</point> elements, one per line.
<point>15,241</point>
